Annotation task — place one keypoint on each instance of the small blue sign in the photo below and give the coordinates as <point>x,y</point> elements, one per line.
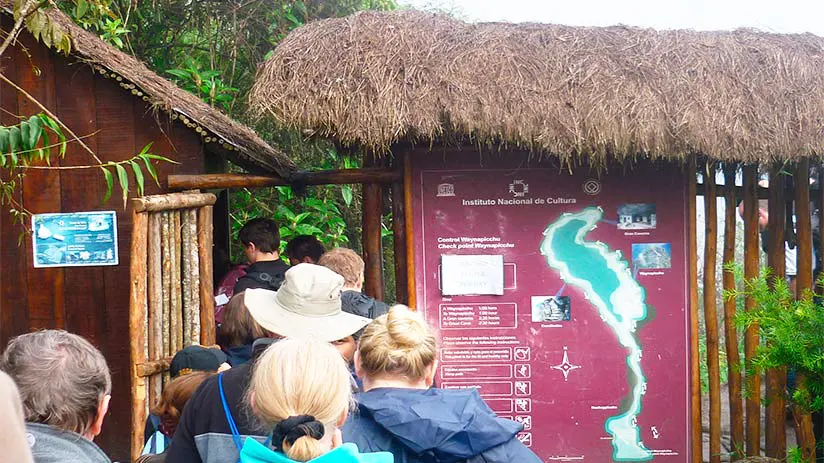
<point>78,239</point>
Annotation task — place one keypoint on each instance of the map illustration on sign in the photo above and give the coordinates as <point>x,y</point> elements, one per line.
<point>608,284</point>
<point>580,326</point>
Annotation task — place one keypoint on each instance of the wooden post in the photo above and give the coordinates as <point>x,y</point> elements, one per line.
<point>187,243</point>
<point>177,294</point>
<point>710,314</point>
<point>804,232</point>
<point>137,320</point>
<point>194,262</point>
<point>695,374</point>
<point>155,293</point>
<point>166,223</point>
<point>802,419</point>
<point>410,233</point>
<point>190,277</point>
<point>730,332</point>
<point>207,296</point>
<point>752,260</point>
<point>371,237</point>
<point>776,439</point>
<point>399,231</point>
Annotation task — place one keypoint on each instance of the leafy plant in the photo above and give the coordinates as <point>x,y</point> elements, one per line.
<point>113,31</point>
<point>792,335</point>
<point>204,83</point>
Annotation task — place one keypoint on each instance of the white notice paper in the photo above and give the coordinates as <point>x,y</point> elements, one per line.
<point>472,275</point>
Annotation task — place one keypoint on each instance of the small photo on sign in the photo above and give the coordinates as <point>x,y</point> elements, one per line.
<point>637,216</point>
<point>550,308</point>
<point>470,275</point>
<point>651,255</point>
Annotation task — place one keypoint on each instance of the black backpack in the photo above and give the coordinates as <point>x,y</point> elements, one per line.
<point>267,280</point>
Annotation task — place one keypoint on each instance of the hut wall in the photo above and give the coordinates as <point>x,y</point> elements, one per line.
<point>90,301</point>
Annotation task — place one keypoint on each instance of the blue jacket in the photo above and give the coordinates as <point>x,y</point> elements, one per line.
<point>255,452</point>
<point>434,426</point>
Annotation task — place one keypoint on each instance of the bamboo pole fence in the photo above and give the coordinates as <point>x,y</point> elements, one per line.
<point>172,300</point>
<point>730,331</point>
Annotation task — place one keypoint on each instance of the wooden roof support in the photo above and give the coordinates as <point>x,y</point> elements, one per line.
<point>320,177</point>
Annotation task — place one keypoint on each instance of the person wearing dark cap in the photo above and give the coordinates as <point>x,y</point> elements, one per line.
<point>215,421</point>
<point>187,360</point>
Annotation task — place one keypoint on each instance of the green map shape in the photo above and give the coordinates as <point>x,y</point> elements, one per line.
<point>607,282</point>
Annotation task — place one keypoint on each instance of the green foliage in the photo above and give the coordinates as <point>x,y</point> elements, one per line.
<point>20,144</point>
<point>119,169</point>
<point>204,83</point>
<point>43,28</point>
<point>113,31</point>
<point>792,333</point>
<point>319,218</point>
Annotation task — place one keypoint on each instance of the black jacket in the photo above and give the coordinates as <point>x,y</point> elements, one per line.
<point>203,434</point>
<point>357,303</point>
<point>267,275</point>
<point>434,426</point>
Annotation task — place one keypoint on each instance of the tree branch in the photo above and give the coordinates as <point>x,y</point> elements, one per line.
<point>28,8</point>
<point>50,114</point>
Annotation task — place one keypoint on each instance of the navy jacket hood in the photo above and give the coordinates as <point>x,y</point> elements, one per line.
<point>434,424</point>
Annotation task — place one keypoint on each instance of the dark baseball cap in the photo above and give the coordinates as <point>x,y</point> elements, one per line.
<point>196,358</point>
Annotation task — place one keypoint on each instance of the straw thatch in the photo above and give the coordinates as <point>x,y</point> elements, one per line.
<point>240,143</point>
<point>379,78</point>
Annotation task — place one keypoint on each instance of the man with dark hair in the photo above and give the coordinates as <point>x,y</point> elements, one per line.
<point>261,242</point>
<point>304,249</point>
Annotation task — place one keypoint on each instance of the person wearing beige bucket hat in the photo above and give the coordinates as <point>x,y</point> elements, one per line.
<point>215,422</point>
<point>307,306</point>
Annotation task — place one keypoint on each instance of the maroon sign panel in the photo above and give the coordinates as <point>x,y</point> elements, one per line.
<point>562,298</point>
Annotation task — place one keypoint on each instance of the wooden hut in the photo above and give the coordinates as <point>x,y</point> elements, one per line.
<point>577,118</point>
<point>116,101</point>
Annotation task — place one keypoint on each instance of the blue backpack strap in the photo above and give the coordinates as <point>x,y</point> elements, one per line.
<point>229,418</point>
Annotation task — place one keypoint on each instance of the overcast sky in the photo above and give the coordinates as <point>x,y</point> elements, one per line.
<point>784,16</point>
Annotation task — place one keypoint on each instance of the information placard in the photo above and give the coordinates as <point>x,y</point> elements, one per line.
<point>75,239</point>
<point>586,344</point>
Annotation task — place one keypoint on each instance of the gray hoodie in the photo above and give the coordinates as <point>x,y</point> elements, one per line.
<point>53,445</point>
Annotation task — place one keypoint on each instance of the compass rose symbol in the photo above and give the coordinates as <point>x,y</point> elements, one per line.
<point>565,366</point>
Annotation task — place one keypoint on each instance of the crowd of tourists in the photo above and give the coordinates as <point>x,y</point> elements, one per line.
<point>307,369</point>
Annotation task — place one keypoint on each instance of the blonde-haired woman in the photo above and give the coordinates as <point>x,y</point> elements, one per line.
<point>401,413</point>
<point>301,390</point>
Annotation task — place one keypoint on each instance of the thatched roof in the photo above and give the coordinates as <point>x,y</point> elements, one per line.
<point>378,78</point>
<point>240,143</point>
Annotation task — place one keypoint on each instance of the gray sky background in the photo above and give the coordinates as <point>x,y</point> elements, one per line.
<point>784,16</point>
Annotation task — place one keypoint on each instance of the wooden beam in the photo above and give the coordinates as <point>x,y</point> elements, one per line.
<point>710,314</point>
<point>153,367</point>
<point>730,331</point>
<point>173,201</point>
<point>752,260</point>
<point>320,177</point>
<point>399,232</point>
<point>776,439</point>
<point>371,237</point>
<point>137,319</point>
<point>695,373</point>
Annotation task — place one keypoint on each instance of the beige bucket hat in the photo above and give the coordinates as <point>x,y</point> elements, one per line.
<point>307,306</point>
